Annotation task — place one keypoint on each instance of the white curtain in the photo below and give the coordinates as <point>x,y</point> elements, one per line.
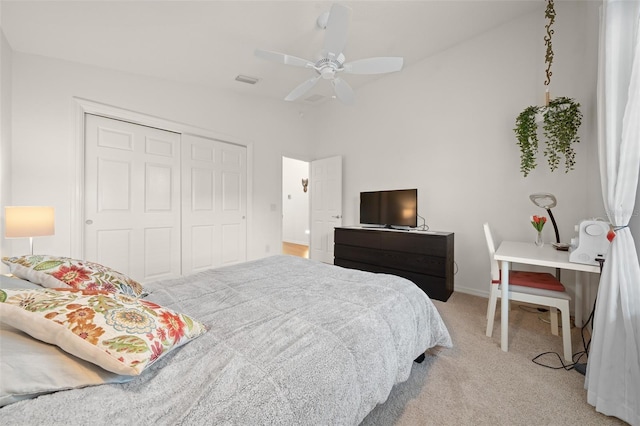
<point>613,369</point>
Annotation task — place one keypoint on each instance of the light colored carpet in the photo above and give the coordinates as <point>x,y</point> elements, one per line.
<point>475,383</point>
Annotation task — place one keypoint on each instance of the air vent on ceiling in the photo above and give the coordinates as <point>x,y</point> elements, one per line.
<point>246,79</point>
<point>314,98</point>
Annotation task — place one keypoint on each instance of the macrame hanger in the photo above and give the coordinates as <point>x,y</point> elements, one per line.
<point>550,15</point>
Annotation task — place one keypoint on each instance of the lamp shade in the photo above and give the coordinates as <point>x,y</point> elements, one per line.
<point>29,221</point>
<point>544,200</point>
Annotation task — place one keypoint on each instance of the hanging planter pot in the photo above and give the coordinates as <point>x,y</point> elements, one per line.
<point>561,120</point>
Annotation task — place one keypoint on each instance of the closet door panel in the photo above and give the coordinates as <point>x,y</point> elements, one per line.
<point>202,238</point>
<point>119,260</point>
<point>158,188</point>
<point>132,203</point>
<point>158,251</point>
<point>214,206</point>
<point>203,185</point>
<point>231,237</point>
<point>114,185</point>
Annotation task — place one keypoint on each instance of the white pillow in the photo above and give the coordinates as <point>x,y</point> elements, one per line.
<point>31,368</point>
<point>11,281</point>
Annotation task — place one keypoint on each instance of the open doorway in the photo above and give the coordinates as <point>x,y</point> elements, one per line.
<point>295,207</point>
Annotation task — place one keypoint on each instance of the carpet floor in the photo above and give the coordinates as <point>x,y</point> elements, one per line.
<point>476,383</point>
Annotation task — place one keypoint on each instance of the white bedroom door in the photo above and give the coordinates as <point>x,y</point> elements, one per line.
<point>132,198</point>
<point>214,193</point>
<point>326,206</point>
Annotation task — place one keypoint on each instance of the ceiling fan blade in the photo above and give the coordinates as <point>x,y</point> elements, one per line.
<point>374,65</point>
<point>344,92</point>
<point>302,89</point>
<point>283,58</point>
<point>335,38</point>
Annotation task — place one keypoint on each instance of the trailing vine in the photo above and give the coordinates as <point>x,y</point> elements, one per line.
<point>527,134</point>
<point>562,119</point>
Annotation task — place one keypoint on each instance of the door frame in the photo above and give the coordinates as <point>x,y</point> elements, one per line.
<point>282,157</point>
<point>84,106</point>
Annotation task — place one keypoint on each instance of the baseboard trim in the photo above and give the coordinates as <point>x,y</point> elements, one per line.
<point>471,291</point>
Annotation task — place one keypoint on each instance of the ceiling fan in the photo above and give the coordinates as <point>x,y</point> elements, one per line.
<point>332,60</point>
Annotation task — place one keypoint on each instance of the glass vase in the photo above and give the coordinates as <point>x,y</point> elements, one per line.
<point>539,241</point>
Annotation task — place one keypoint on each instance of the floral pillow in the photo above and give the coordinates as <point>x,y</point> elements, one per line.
<point>56,272</point>
<point>119,333</point>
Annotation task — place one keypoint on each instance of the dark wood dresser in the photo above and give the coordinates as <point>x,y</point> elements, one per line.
<point>424,257</point>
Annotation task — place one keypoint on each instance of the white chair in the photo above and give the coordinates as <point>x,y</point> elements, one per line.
<point>539,288</point>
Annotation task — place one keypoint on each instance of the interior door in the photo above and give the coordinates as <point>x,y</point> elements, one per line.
<point>132,198</point>
<point>214,193</point>
<point>326,206</point>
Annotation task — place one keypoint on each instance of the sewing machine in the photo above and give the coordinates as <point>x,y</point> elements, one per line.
<point>591,242</point>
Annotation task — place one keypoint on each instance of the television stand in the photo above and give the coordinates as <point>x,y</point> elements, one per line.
<point>426,258</point>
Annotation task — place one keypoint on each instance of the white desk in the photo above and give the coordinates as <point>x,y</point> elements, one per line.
<point>528,253</point>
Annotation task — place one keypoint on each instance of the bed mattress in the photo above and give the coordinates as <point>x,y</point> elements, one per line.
<point>290,342</point>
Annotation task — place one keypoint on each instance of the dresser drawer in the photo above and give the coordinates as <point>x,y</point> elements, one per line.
<point>421,263</point>
<point>426,258</point>
<point>409,242</point>
<point>358,238</point>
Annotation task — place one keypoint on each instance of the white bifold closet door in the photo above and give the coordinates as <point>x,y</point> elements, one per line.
<point>160,204</point>
<point>214,188</point>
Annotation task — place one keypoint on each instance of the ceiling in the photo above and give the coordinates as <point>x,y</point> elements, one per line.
<point>211,42</point>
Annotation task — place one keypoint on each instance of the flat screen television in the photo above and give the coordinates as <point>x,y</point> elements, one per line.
<point>397,208</point>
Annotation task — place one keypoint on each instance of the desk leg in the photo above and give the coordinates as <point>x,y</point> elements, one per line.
<point>504,307</point>
<point>579,299</point>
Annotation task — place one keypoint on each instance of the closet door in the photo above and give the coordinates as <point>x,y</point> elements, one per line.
<point>214,193</point>
<point>132,198</point>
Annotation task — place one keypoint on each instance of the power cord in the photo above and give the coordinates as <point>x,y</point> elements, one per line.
<point>575,365</point>
<point>564,366</point>
<point>582,368</point>
<point>424,226</point>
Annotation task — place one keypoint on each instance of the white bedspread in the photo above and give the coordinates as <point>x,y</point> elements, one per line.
<point>291,342</point>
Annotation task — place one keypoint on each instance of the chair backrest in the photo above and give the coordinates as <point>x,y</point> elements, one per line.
<point>495,268</point>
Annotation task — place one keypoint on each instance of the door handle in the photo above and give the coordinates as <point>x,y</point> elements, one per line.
<point>337,216</point>
<point>88,222</point>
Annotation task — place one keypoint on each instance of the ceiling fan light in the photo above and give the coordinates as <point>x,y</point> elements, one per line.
<point>328,73</point>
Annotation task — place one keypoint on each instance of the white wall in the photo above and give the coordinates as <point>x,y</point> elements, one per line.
<point>5,134</point>
<point>43,137</point>
<point>445,127</point>
<point>295,202</point>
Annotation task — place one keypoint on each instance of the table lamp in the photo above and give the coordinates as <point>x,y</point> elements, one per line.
<point>28,222</point>
<point>546,201</point>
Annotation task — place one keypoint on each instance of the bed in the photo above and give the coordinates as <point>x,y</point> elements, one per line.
<point>289,341</point>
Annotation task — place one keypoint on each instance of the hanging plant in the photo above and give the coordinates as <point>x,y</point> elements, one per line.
<point>562,119</point>
<point>527,134</point>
